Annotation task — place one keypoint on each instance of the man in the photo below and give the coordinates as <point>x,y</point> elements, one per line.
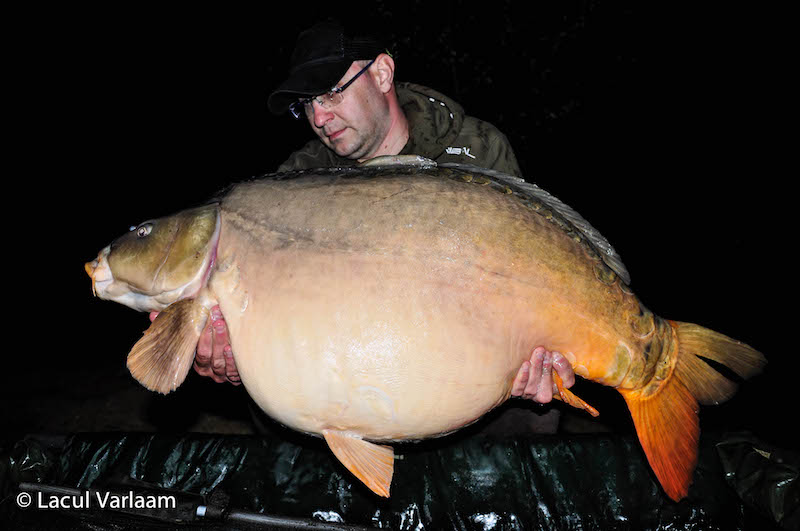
<point>344,86</point>
<point>369,115</point>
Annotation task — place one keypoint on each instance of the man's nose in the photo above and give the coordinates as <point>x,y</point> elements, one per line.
<point>321,115</point>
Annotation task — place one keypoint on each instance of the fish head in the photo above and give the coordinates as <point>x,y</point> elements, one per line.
<point>158,262</point>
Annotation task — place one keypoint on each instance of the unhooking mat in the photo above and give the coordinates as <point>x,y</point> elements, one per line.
<point>265,482</point>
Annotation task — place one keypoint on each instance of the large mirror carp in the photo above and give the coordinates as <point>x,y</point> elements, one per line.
<point>396,302</point>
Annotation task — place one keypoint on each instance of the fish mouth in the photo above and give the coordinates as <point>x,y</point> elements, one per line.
<point>99,271</point>
<point>90,267</point>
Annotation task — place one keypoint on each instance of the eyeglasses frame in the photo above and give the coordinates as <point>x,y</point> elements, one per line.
<point>298,108</point>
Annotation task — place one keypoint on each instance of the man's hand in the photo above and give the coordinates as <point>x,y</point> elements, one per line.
<point>214,357</point>
<point>534,379</point>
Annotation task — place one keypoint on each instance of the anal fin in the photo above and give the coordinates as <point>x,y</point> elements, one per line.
<point>161,359</point>
<point>372,463</point>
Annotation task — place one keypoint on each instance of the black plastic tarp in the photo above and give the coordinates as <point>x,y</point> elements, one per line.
<point>265,482</point>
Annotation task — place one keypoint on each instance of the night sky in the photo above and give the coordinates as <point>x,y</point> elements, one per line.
<point>647,120</point>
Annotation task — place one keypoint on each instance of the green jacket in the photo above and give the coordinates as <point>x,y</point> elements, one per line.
<point>438,130</point>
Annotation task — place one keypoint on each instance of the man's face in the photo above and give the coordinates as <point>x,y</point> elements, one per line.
<point>356,127</point>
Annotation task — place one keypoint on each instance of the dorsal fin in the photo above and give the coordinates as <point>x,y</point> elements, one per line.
<point>398,160</point>
<point>609,255</point>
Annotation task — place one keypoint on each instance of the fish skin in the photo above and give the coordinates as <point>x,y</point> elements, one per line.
<point>360,301</point>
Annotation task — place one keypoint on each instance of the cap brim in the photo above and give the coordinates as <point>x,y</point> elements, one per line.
<point>306,82</point>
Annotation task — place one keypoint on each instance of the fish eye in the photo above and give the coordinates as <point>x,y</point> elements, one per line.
<point>144,230</point>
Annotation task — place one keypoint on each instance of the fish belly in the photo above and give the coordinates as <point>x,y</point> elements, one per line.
<point>402,309</point>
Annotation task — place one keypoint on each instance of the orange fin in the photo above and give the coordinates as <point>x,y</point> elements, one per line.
<point>570,398</point>
<point>161,359</point>
<point>373,464</point>
<point>705,383</point>
<point>668,428</point>
<point>665,411</point>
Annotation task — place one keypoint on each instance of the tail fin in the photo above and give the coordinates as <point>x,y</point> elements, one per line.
<point>665,414</point>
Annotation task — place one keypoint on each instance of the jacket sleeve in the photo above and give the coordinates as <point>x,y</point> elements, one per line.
<point>502,156</point>
<point>484,146</point>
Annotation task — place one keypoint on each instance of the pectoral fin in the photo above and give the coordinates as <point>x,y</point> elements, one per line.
<point>161,359</point>
<point>373,464</point>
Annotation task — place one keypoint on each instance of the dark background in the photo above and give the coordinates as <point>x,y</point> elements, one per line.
<point>659,123</point>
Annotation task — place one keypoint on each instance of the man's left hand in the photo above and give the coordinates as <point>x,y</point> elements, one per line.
<point>534,380</point>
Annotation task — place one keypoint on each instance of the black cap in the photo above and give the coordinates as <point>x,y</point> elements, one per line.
<point>321,57</point>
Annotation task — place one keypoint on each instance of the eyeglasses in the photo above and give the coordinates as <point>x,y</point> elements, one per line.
<point>330,99</point>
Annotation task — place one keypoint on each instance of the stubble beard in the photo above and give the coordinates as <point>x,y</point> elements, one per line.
<point>357,147</point>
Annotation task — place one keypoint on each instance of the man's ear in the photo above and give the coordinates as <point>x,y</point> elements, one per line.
<point>384,72</point>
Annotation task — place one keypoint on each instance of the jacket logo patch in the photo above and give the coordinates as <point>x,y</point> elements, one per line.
<point>459,151</point>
